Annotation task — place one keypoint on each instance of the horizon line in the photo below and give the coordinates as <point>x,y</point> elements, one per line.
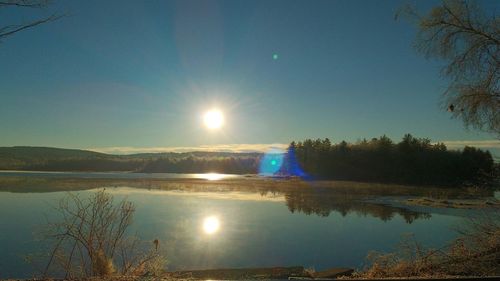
<point>263,148</point>
<point>253,148</point>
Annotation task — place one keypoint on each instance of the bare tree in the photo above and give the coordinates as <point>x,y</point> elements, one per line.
<point>91,240</point>
<point>459,33</point>
<point>11,29</point>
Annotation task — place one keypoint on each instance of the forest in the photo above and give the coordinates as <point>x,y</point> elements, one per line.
<point>411,161</point>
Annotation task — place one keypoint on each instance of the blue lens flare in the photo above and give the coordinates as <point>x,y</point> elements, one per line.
<point>278,162</point>
<point>271,162</point>
<point>291,166</point>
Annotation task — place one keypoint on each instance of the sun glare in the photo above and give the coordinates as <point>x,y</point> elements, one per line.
<point>212,176</point>
<point>211,224</point>
<point>213,119</point>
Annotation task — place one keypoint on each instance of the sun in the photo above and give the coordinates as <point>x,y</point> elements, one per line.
<point>213,119</point>
<point>211,224</point>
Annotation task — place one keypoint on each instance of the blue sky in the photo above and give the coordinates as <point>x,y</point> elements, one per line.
<point>140,74</point>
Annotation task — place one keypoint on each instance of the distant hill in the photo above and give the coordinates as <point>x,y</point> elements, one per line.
<point>59,159</point>
<point>23,157</point>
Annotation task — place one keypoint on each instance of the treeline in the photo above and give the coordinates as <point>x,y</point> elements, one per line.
<point>189,164</point>
<point>226,165</point>
<point>58,159</point>
<point>411,161</point>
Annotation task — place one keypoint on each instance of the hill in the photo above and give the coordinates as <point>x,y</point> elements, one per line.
<point>59,159</point>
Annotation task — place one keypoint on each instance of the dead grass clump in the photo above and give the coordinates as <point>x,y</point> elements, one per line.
<point>476,252</point>
<point>102,265</point>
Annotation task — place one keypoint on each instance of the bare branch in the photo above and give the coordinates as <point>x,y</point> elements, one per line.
<point>458,33</point>
<point>89,235</point>
<point>10,30</point>
<point>25,3</point>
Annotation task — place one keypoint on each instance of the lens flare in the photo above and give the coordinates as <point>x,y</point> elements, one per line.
<point>271,162</point>
<point>281,163</point>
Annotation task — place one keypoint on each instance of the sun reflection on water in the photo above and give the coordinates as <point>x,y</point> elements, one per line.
<point>212,176</point>
<point>211,225</point>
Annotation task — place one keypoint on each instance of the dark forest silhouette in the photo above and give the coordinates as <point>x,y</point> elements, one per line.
<point>413,161</point>
<point>191,164</point>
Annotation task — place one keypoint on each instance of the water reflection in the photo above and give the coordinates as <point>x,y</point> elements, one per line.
<point>211,176</point>
<point>211,225</point>
<point>266,232</point>
<point>322,202</point>
<point>114,175</point>
<point>300,197</point>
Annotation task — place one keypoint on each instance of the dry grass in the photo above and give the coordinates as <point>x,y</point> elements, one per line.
<point>90,238</point>
<point>475,253</point>
<point>474,203</point>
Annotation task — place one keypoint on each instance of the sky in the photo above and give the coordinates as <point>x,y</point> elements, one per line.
<point>132,76</point>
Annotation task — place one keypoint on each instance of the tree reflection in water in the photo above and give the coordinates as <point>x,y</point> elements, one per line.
<point>323,202</point>
<point>311,198</point>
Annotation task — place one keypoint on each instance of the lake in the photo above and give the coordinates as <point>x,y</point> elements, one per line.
<point>260,222</point>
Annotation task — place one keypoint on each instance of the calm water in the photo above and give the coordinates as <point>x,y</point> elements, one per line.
<point>116,175</point>
<point>312,228</point>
